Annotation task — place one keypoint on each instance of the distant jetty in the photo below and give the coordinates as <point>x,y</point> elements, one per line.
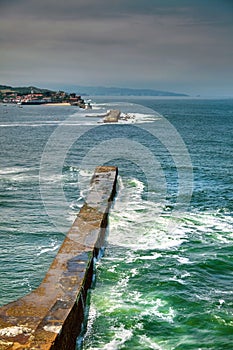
<point>113,116</point>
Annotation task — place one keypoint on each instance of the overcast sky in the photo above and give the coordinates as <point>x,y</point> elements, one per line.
<point>175,45</point>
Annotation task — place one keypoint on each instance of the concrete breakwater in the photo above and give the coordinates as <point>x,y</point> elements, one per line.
<point>51,316</point>
<point>113,116</point>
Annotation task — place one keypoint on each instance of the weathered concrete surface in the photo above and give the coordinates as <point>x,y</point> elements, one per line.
<point>112,116</point>
<point>51,316</point>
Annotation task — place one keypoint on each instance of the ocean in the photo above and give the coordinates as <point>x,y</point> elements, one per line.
<point>165,278</point>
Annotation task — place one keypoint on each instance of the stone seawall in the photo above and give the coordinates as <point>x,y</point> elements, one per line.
<point>51,316</point>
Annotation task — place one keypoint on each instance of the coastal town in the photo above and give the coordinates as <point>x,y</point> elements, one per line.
<point>37,96</point>
<point>23,96</point>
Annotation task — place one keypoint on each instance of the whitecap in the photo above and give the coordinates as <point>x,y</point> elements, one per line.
<point>14,170</point>
<point>183,260</point>
<point>121,335</point>
<point>48,249</point>
<point>131,228</point>
<point>146,341</point>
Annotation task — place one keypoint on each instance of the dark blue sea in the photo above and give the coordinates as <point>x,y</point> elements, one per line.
<point>165,281</point>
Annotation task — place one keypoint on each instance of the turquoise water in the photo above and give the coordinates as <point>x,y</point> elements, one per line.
<point>165,281</point>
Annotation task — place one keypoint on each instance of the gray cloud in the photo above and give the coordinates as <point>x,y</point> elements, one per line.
<point>152,43</point>
<point>74,9</point>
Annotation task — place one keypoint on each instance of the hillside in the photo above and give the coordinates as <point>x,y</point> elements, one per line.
<point>93,91</point>
<point>24,89</point>
<point>118,91</point>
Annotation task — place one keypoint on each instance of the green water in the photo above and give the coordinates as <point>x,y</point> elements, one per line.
<point>165,281</point>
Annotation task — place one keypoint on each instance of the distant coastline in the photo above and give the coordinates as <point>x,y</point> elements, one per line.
<point>62,96</point>
<point>120,91</point>
<point>32,95</point>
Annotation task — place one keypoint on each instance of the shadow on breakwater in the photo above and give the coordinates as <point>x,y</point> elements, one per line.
<point>51,316</point>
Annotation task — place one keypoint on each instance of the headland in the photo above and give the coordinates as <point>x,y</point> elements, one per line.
<point>36,96</point>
